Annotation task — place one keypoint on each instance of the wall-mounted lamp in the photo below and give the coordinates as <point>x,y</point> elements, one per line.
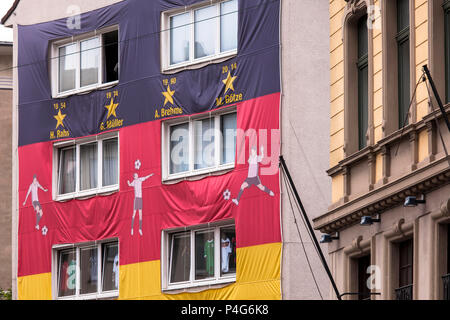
<point>412,201</point>
<point>327,238</point>
<point>369,220</point>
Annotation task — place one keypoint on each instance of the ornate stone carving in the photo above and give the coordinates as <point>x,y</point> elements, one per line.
<point>354,5</point>
<point>445,208</point>
<point>398,226</point>
<point>356,243</point>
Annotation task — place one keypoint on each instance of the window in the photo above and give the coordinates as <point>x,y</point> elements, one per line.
<point>87,271</point>
<point>448,249</point>
<point>363,79</point>
<point>356,79</point>
<point>402,38</point>
<point>86,62</point>
<point>446,7</point>
<point>198,256</point>
<point>199,145</point>
<point>405,270</point>
<point>86,167</point>
<point>199,34</point>
<point>446,277</point>
<point>363,276</point>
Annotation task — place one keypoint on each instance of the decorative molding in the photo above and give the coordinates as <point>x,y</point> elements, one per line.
<point>393,194</point>
<point>356,243</point>
<point>444,209</point>
<point>398,227</point>
<point>353,6</point>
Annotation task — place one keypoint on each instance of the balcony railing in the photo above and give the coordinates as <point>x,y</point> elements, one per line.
<point>446,285</point>
<point>404,293</point>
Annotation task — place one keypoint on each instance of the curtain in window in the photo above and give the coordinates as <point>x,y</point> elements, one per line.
<point>228,25</point>
<point>110,162</point>
<point>180,30</point>
<point>67,171</point>
<point>67,67</point>
<point>67,267</point>
<point>204,143</point>
<point>179,148</point>
<point>228,130</point>
<point>205,31</point>
<point>88,166</point>
<point>180,257</point>
<point>89,61</point>
<point>110,271</point>
<point>88,270</point>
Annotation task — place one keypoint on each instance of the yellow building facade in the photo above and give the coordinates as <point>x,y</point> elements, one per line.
<point>388,141</point>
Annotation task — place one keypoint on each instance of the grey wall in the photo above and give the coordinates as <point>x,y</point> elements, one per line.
<point>5,171</point>
<point>305,124</point>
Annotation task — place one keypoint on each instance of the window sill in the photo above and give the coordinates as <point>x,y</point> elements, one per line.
<point>198,174</point>
<point>199,285</point>
<point>87,89</point>
<point>199,63</point>
<point>92,296</point>
<point>87,193</point>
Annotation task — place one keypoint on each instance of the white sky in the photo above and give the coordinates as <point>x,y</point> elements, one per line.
<point>5,33</point>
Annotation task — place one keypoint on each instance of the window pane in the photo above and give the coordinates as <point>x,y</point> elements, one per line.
<point>110,273</point>
<point>204,254</point>
<point>228,130</point>
<point>363,276</point>
<point>180,257</point>
<point>110,56</point>
<point>67,171</point>
<point>88,270</point>
<point>363,105</point>
<point>227,250</point>
<point>403,82</point>
<point>405,263</point>
<point>179,148</point>
<point>362,37</point>
<point>205,31</point>
<point>402,14</point>
<point>88,166</point>
<point>110,162</point>
<point>180,30</point>
<point>67,273</point>
<point>90,57</point>
<point>447,54</point>
<point>67,67</point>
<point>228,25</point>
<point>204,143</point>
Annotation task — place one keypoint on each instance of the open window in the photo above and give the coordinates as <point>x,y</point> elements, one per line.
<point>85,62</point>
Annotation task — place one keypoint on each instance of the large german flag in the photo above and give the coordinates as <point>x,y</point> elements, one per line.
<point>136,109</point>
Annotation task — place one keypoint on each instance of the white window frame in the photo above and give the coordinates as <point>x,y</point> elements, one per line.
<point>56,249</point>
<point>55,46</point>
<point>191,172</point>
<point>77,143</point>
<point>192,283</point>
<point>165,38</point>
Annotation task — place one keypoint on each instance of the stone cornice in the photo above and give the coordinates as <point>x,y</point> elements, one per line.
<point>423,180</point>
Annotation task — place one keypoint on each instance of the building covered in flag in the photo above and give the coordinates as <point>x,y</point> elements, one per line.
<point>148,136</point>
